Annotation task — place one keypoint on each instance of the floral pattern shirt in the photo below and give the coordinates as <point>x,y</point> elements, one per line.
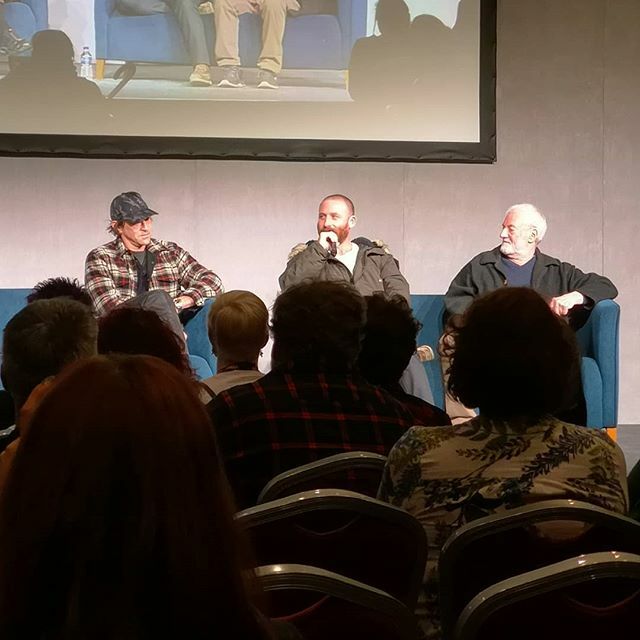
<point>447,476</point>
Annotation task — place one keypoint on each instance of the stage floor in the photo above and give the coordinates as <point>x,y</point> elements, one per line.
<point>170,82</point>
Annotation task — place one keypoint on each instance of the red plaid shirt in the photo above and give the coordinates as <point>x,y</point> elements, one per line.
<point>284,420</point>
<point>111,274</point>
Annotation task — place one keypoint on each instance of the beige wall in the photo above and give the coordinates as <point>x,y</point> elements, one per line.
<point>568,140</point>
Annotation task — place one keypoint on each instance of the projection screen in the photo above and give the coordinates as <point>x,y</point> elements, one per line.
<point>359,79</point>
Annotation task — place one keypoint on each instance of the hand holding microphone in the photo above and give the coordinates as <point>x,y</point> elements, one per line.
<point>329,240</point>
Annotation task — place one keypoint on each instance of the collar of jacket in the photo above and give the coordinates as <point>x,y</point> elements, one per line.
<point>154,246</point>
<point>542,259</point>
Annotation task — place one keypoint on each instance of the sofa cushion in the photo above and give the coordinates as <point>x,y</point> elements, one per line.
<point>141,7</point>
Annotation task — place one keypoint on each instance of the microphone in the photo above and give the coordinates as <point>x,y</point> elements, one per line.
<point>333,247</point>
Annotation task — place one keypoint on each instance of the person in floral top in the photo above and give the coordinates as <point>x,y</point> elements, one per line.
<point>518,362</point>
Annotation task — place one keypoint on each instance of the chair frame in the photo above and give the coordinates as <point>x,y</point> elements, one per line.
<point>308,502</point>
<point>307,578</point>
<point>560,575</point>
<point>284,483</point>
<point>545,511</point>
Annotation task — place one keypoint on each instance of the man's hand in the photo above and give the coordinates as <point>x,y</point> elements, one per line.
<point>561,305</point>
<point>184,302</point>
<point>326,239</point>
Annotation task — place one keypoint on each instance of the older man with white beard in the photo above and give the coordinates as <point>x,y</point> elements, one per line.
<point>517,262</point>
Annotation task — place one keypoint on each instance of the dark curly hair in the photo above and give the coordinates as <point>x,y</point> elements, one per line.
<point>389,339</point>
<point>130,330</point>
<point>512,356</point>
<point>318,327</point>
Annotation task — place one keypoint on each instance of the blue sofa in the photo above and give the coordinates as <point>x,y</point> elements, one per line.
<point>201,358</point>
<point>598,340</point>
<point>27,16</point>
<point>310,42</point>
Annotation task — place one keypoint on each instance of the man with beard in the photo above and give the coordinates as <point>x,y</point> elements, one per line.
<point>366,264</point>
<point>517,262</point>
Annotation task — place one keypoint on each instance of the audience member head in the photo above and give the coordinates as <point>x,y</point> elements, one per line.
<point>41,339</point>
<point>238,326</point>
<point>139,331</point>
<point>512,356</point>
<point>318,327</point>
<point>389,339</point>
<point>392,17</point>
<point>129,530</point>
<point>52,51</point>
<point>60,288</point>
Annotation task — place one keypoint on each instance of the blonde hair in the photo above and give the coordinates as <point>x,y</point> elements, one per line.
<point>238,326</point>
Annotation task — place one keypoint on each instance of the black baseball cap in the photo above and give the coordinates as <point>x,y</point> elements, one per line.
<point>130,207</point>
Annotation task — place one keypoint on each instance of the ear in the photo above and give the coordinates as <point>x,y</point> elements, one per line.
<point>116,226</point>
<point>352,221</point>
<point>533,235</point>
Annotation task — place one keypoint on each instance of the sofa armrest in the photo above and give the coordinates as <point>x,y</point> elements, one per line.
<point>102,11</point>
<point>352,16</point>
<point>198,336</point>
<point>40,10</point>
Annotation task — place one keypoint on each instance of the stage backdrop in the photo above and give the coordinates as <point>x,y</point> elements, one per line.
<point>568,102</point>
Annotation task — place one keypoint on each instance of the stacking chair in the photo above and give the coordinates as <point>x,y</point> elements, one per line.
<point>500,546</point>
<point>358,471</point>
<point>589,597</point>
<point>322,604</point>
<point>349,533</point>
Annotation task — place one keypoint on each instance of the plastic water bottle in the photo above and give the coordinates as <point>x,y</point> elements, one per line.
<point>86,64</point>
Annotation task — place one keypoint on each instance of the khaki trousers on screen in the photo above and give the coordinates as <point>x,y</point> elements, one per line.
<point>274,16</point>
<point>454,408</point>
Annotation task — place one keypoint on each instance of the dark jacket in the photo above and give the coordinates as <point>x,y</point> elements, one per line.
<point>376,270</point>
<point>550,278</point>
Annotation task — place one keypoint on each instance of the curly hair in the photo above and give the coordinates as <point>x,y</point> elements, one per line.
<point>389,339</point>
<point>141,331</point>
<point>512,356</point>
<point>318,327</point>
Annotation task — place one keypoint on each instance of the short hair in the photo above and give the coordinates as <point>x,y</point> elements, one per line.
<point>128,505</point>
<point>41,339</point>
<point>537,220</point>
<point>138,331</point>
<point>512,356</point>
<point>238,326</point>
<point>60,288</point>
<point>392,13</point>
<point>318,327</point>
<point>389,339</point>
<point>345,199</point>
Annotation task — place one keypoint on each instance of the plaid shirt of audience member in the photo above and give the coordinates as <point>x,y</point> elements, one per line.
<point>284,420</point>
<point>111,274</point>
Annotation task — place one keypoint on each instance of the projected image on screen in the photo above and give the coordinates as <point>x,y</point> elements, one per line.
<point>405,70</point>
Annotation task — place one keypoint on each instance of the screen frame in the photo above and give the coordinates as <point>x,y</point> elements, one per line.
<point>483,151</point>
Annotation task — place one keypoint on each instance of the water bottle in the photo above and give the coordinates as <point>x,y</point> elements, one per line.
<point>86,64</point>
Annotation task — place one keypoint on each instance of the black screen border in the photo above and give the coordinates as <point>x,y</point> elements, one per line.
<point>139,147</point>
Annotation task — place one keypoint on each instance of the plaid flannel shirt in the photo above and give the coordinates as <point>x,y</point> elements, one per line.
<point>284,420</point>
<point>111,274</point>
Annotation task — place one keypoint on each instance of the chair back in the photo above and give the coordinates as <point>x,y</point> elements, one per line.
<point>342,531</point>
<point>358,471</point>
<point>322,604</point>
<point>500,546</point>
<point>589,597</point>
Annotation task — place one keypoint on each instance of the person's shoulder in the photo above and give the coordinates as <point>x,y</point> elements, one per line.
<point>372,247</point>
<point>298,249</point>
<point>157,246</point>
<point>109,248</point>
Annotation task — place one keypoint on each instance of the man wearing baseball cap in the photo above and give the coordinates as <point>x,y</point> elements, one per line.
<point>135,263</point>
